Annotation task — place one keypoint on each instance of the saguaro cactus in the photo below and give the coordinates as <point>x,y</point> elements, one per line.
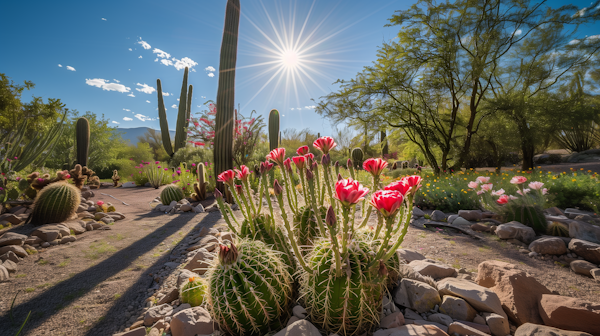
<point>273,129</point>
<point>384,144</point>
<point>357,156</point>
<point>82,134</point>
<point>183,116</point>
<point>223,148</point>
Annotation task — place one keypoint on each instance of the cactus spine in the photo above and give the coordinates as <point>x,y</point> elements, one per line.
<point>558,229</point>
<point>193,292</point>
<point>271,234</point>
<point>305,225</point>
<point>223,148</point>
<point>273,129</point>
<point>82,134</point>
<point>55,203</point>
<point>249,289</point>
<point>183,116</point>
<point>357,156</point>
<point>171,193</point>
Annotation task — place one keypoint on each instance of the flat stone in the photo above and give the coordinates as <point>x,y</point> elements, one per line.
<point>200,262</point>
<point>515,230</point>
<point>412,315</point>
<point>498,324</point>
<point>554,211</point>
<point>470,215</point>
<point>461,222</point>
<point>78,226</point>
<point>191,322</point>
<point>186,207</point>
<point>409,255</point>
<point>11,218</point>
<point>416,295</point>
<point>156,313</point>
<point>530,329</point>
<point>411,330</point>
<point>3,273</point>
<point>457,308</point>
<point>440,318</point>
<point>588,250</point>
<point>430,323</point>
<point>548,245</point>
<point>33,240</point>
<point>116,214</point>
<point>480,227</point>
<point>584,231</point>
<point>481,327</point>
<point>68,239</point>
<point>463,329</point>
<point>107,220</point>
<point>10,265</point>
<point>18,250</point>
<point>436,271</point>
<point>12,238</point>
<point>481,298</point>
<point>570,313</point>
<point>169,297</point>
<point>392,321</point>
<point>582,267</point>
<point>47,233</point>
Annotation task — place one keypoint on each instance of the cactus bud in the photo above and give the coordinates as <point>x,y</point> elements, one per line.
<point>288,165</point>
<point>325,159</point>
<point>228,255</point>
<point>309,175</point>
<point>315,166</point>
<point>340,177</point>
<point>277,188</point>
<point>238,189</point>
<point>350,163</point>
<point>218,194</point>
<point>382,269</point>
<point>337,164</point>
<point>330,217</point>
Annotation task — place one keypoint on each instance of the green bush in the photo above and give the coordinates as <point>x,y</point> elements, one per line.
<point>568,191</point>
<point>190,154</point>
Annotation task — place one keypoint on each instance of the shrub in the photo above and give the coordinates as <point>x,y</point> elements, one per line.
<point>190,154</point>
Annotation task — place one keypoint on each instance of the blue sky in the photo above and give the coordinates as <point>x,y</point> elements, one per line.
<point>105,56</point>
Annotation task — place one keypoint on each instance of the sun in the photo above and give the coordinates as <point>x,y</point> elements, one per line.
<point>290,59</point>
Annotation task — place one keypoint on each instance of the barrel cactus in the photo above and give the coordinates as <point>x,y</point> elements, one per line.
<point>265,230</point>
<point>171,193</point>
<point>558,229</point>
<point>273,129</point>
<point>305,225</point>
<point>357,156</point>
<point>82,133</point>
<point>55,203</point>
<point>193,292</point>
<point>249,289</point>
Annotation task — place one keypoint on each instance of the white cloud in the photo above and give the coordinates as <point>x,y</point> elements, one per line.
<point>210,74</point>
<point>131,95</point>
<point>60,66</point>
<point>147,101</point>
<point>184,62</point>
<point>203,97</point>
<point>144,44</point>
<point>130,49</point>
<point>115,122</point>
<point>298,108</point>
<point>210,68</point>
<point>127,119</point>
<point>103,19</point>
<point>161,54</point>
<point>145,88</point>
<point>177,99</point>
<point>166,62</point>
<point>310,107</point>
<point>128,110</point>
<point>156,60</point>
<point>174,106</point>
<point>118,81</point>
<point>574,42</point>
<point>143,117</point>
<point>593,38</point>
<point>140,56</point>
<point>518,32</point>
<point>292,109</point>
<point>166,94</point>
<point>106,85</point>
<point>70,68</point>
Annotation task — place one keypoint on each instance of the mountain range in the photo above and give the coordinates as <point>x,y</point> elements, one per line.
<point>131,134</point>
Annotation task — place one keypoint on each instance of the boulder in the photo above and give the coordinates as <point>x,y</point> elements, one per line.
<point>10,255</point>
<point>200,262</point>
<point>192,321</point>
<point>67,239</point>
<point>16,249</point>
<point>409,255</point>
<point>554,211</point>
<point>392,321</point>
<point>530,329</point>
<point>417,212</point>
<point>33,240</point>
<point>185,207</point>
<point>498,324</point>
<point>116,214</point>
<point>480,227</point>
<point>570,313</point>
<point>12,238</point>
<point>518,291</point>
<point>463,329</point>
<point>461,222</point>
<point>437,216</point>
<point>457,308</point>
<point>481,298</point>
<point>47,233</point>
<point>436,271</point>
<point>412,315</point>
<point>515,230</point>
<point>440,318</point>
<point>410,330</point>
<point>584,231</point>
<point>470,215</point>
<point>78,226</point>
<point>451,218</point>
<point>585,249</point>
<point>169,297</point>
<point>10,265</point>
<point>156,313</point>
<point>3,273</point>
<point>548,245</point>
<point>416,295</point>
<point>582,267</point>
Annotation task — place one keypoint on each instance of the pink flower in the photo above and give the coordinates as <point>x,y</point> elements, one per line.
<point>277,155</point>
<point>227,177</point>
<point>349,192</point>
<point>324,144</point>
<point>287,163</point>
<point>525,191</point>
<point>479,192</point>
<point>299,161</point>
<point>545,191</point>
<point>401,186</point>
<point>243,173</point>
<point>99,203</point>
<point>165,168</point>
<point>473,184</point>
<point>512,197</point>
<point>414,182</point>
<point>310,156</point>
<point>387,202</point>
<point>302,150</point>
<point>375,166</point>
<point>500,192</point>
<point>265,167</point>
<point>518,179</point>
<point>157,162</point>
<point>503,199</point>
<point>483,179</point>
<point>486,187</point>
<point>536,185</point>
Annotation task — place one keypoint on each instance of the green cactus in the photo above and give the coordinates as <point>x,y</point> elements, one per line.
<point>224,123</point>
<point>558,229</point>
<point>305,225</point>
<point>349,304</point>
<point>384,144</point>
<point>193,292</point>
<point>357,157</point>
<point>527,214</point>
<point>82,133</point>
<point>271,234</point>
<point>183,116</point>
<point>171,193</point>
<point>249,289</point>
<point>200,187</point>
<point>55,203</point>
<point>273,129</point>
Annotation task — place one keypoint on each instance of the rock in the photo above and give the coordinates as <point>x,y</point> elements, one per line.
<point>192,321</point>
<point>582,267</point>
<point>451,218</point>
<point>470,215</point>
<point>78,226</point>
<point>156,313</point>
<point>436,271</point>
<point>299,312</point>
<point>515,230</point>
<point>480,320</point>
<point>392,321</point>
<point>595,273</point>
<point>298,328</point>
<point>518,291</point>
<point>584,231</point>
<point>457,308</point>
<point>588,250</point>
<point>429,323</point>
<point>530,329</point>
<point>198,209</point>
<point>10,265</point>
<point>554,211</point>
<point>107,220</point>
<point>12,238</point>
<point>169,297</point>
<point>3,273</point>
<point>416,295</point>
<point>185,207</point>
<point>409,255</point>
<point>68,239</point>
<point>498,324</point>
<point>47,233</point>
<point>129,184</point>
<point>45,244</point>
<point>411,315</point>
<point>292,320</point>
<point>570,313</point>
<point>411,330</point>
<point>116,214</point>
<point>184,277</point>
<point>200,262</point>
<point>548,245</point>
<point>82,208</point>
<point>227,236</point>
<point>463,329</point>
<point>18,250</point>
<point>11,218</point>
<point>481,327</point>
<point>461,222</point>
<point>480,227</point>
<point>572,212</point>
<point>154,332</point>
<point>417,212</point>
<point>440,318</point>
<point>33,240</point>
<point>141,331</point>
<point>438,216</point>
<point>89,226</point>
<point>481,298</point>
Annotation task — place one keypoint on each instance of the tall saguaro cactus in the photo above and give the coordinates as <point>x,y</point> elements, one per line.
<point>223,149</point>
<point>82,134</point>
<point>273,129</point>
<point>183,116</point>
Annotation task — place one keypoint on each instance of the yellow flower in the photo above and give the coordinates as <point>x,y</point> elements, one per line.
<point>580,168</point>
<point>573,180</point>
<point>465,178</point>
<point>427,184</point>
<point>574,174</point>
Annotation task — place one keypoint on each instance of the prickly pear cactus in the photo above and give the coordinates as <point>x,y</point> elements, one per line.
<point>348,304</point>
<point>193,292</point>
<point>271,234</point>
<point>171,193</point>
<point>55,203</point>
<point>305,225</point>
<point>249,289</point>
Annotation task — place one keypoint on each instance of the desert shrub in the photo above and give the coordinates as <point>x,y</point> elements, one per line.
<point>190,154</point>
<point>575,190</point>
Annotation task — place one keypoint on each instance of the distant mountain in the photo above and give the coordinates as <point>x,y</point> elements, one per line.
<point>131,134</point>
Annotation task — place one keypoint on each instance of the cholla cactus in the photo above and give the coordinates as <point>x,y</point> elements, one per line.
<point>94,181</point>
<point>55,203</point>
<point>115,178</point>
<point>200,187</point>
<point>78,177</point>
<point>193,292</point>
<point>171,193</point>
<point>249,289</point>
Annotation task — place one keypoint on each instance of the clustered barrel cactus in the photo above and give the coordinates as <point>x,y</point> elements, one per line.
<point>55,203</point>
<point>171,193</point>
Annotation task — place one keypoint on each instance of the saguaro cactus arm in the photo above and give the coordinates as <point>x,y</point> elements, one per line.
<point>180,132</point>
<point>273,129</point>
<point>164,124</point>
<point>82,133</point>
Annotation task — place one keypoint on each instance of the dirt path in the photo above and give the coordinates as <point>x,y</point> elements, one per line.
<point>87,287</point>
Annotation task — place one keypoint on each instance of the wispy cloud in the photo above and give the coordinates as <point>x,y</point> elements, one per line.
<point>140,56</point>
<point>131,95</point>
<point>118,81</point>
<point>310,107</point>
<point>174,106</point>
<point>210,68</point>
<point>130,49</point>
<point>143,117</point>
<point>161,54</point>
<point>166,62</point>
<point>518,32</point>
<point>210,74</point>
<point>128,110</point>
<point>144,44</point>
<point>166,94</point>
<point>105,84</point>
<point>60,65</point>
<point>70,68</point>
<point>145,88</point>
<point>103,19</point>
<point>127,119</point>
<point>177,63</point>
<point>147,101</point>
<point>183,63</point>
<point>115,122</point>
<point>574,42</point>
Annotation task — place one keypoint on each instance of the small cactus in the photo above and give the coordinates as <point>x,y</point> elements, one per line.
<point>115,178</point>
<point>171,193</point>
<point>558,229</point>
<point>200,187</point>
<point>357,157</point>
<point>55,203</point>
<point>78,176</point>
<point>193,292</point>
<point>273,129</point>
<point>82,130</point>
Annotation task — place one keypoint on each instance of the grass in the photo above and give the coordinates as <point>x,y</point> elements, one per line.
<point>456,264</point>
<point>21,275</point>
<point>118,236</point>
<point>98,249</point>
<point>64,263</point>
<point>43,285</point>
<point>117,296</point>
<point>452,242</point>
<point>43,262</point>
<point>29,289</point>
<point>31,251</point>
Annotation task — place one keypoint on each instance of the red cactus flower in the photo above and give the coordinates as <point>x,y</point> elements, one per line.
<point>414,182</point>
<point>265,167</point>
<point>518,180</point>
<point>288,165</point>
<point>324,144</point>
<point>503,199</point>
<point>302,150</point>
<point>299,161</point>
<point>388,202</point>
<point>399,186</point>
<point>277,155</point>
<point>375,166</point>
<point>227,177</point>
<point>243,173</point>
<point>310,156</point>
<point>349,192</point>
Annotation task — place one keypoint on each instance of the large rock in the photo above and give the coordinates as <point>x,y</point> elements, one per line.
<point>457,308</point>
<point>48,232</point>
<point>570,313</point>
<point>156,313</point>
<point>530,329</point>
<point>11,218</point>
<point>18,250</point>
<point>12,238</point>
<point>437,216</point>
<point>417,212</point>
<point>416,295</point>
<point>78,226</point>
<point>299,328</point>
<point>440,318</point>
<point>481,298</point>
<point>409,255</point>
<point>461,222</point>
<point>585,231</point>
<point>10,265</point>
<point>588,250</point>
<point>200,262</point>
<point>463,329</point>
<point>582,267</point>
<point>192,321</point>
<point>515,230</point>
<point>498,325</point>
<point>470,215</point>
<point>518,291</point>
<point>3,273</point>
<point>548,245</point>
<point>436,271</point>
<point>410,330</point>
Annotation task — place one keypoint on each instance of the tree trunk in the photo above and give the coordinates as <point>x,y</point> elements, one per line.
<point>384,149</point>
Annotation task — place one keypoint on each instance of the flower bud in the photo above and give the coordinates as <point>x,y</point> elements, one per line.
<point>309,175</point>
<point>350,163</point>
<point>325,159</point>
<point>218,194</point>
<point>315,166</point>
<point>238,189</point>
<point>382,269</point>
<point>337,164</point>
<point>340,177</point>
<point>330,217</point>
<point>228,255</point>
<point>277,188</point>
